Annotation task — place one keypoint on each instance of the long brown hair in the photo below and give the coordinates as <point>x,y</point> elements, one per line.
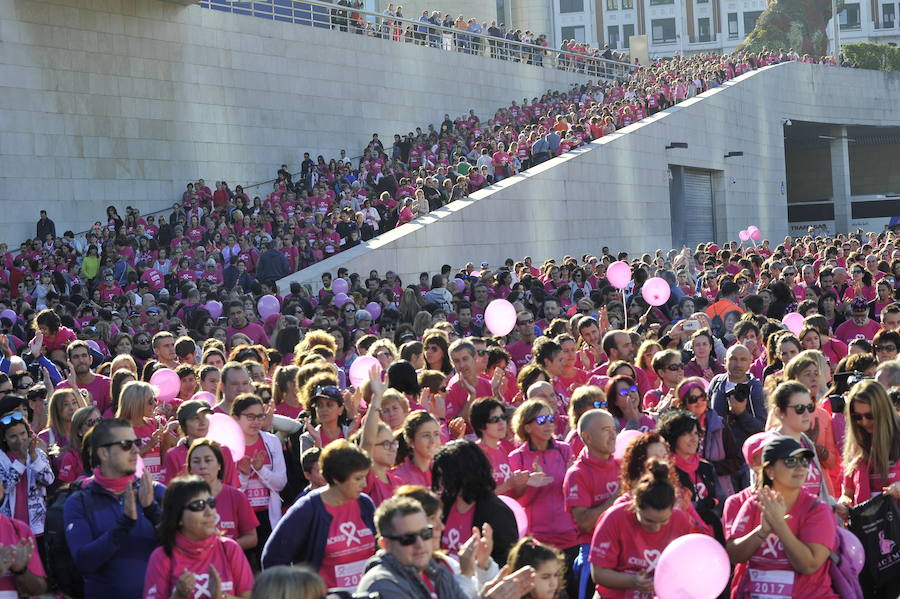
<point>882,447</point>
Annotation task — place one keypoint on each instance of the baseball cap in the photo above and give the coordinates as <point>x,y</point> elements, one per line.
<point>754,445</point>
<point>328,392</point>
<point>191,409</point>
<point>859,304</point>
<point>780,447</point>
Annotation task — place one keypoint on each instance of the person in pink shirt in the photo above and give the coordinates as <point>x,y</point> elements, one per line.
<point>624,403</point>
<point>488,420</point>
<point>377,439</point>
<point>422,438</point>
<point>194,559</point>
<point>206,459</point>
<point>521,350</point>
<point>617,346</point>
<point>630,537</point>
<point>194,425</point>
<point>860,285</point>
<point>467,385</point>
<point>56,337</point>
<point>238,323</point>
<point>859,326</point>
<point>71,466</point>
<point>548,459</point>
<point>137,405</point>
<point>81,376</point>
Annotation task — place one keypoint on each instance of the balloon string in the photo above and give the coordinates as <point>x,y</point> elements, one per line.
<point>624,308</point>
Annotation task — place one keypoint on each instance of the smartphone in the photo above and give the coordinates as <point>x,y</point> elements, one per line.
<point>691,325</point>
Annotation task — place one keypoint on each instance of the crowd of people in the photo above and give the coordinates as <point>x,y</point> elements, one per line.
<point>380,435</point>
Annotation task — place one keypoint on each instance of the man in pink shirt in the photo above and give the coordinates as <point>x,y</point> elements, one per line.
<point>238,323</point>
<point>98,385</point>
<point>618,346</point>
<point>467,385</point>
<point>860,326</point>
<point>520,351</point>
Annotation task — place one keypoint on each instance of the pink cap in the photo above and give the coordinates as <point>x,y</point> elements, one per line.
<point>754,445</point>
<point>714,248</point>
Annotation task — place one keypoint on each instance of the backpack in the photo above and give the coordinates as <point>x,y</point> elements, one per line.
<point>844,581</point>
<point>61,566</point>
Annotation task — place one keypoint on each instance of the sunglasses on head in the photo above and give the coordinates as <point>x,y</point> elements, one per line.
<point>482,352</point>
<point>92,421</point>
<point>125,444</point>
<point>856,416</point>
<point>328,392</point>
<point>626,390</point>
<point>198,505</point>
<point>12,417</point>
<point>794,461</point>
<point>542,420</point>
<point>410,538</point>
<point>800,408</point>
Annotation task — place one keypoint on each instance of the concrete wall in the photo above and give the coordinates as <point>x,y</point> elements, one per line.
<point>124,101</point>
<point>615,191</point>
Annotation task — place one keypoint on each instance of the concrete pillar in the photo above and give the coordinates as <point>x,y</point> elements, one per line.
<point>840,178</point>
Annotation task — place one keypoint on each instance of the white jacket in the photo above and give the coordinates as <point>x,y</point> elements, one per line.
<point>273,475</point>
<point>40,476</point>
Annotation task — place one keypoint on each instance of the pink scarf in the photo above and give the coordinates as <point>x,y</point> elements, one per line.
<point>116,486</point>
<point>688,465</point>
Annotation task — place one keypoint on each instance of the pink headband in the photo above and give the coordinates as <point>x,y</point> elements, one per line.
<point>686,388</point>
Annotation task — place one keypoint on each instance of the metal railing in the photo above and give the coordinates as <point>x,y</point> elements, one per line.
<point>328,15</point>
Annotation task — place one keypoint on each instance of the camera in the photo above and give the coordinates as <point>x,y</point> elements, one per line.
<point>837,402</point>
<point>741,392</point>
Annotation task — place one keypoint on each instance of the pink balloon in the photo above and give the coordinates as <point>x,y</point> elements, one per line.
<point>374,309</point>
<point>10,314</point>
<point>168,383</point>
<point>475,273</point>
<point>852,548</point>
<point>225,430</point>
<point>359,369</point>
<point>619,274</point>
<point>205,396</point>
<point>756,235</point>
<point>500,317</point>
<point>460,285</point>
<point>794,322</point>
<point>656,291</point>
<point>267,306</point>
<point>139,466</point>
<point>93,345</point>
<point>623,441</point>
<point>340,286</point>
<point>340,299</point>
<point>519,512</point>
<point>694,566</point>
<point>214,307</point>
<point>752,228</point>
<point>744,235</point>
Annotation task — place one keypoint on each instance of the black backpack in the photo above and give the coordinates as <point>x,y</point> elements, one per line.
<point>61,567</point>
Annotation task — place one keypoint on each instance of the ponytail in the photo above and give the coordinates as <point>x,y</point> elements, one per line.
<point>654,490</point>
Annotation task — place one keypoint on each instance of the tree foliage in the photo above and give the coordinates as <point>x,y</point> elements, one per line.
<point>792,24</point>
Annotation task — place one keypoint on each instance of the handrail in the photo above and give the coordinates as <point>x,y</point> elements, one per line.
<point>324,14</point>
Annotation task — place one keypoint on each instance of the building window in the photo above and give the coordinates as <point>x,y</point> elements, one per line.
<point>571,6</point>
<point>627,32</point>
<point>732,26</point>
<point>656,2</point>
<point>627,4</point>
<point>702,1</point>
<point>612,36</point>
<point>612,4</point>
<point>663,30</point>
<point>849,17</point>
<point>887,16</point>
<point>703,29</point>
<point>750,20</point>
<point>573,33</point>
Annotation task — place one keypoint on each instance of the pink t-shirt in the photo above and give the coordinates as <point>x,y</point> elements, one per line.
<point>457,530</point>
<point>376,489</point>
<point>197,556</point>
<point>350,543</point>
<point>236,517</point>
<point>175,464</point>
<point>588,483</point>
<point>457,396</point>
<point>99,389</point>
<point>11,532</point>
<point>70,467</point>
<point>255,490</point>
<point>812,522</point>
<point>408,473</point>
<point>499,460</point>
<point>255,332</point>
<point>151,459</point>
<point>620,543</point>
<point>520,352</point>
<point>288,410</point>
<point>848,331</point>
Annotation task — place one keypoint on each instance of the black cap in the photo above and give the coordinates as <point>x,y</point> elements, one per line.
<point>782,447</point>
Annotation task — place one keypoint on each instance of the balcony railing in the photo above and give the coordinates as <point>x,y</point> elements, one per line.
<point>327,15</point>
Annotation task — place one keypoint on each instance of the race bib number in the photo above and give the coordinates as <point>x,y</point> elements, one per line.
<point>348,575</point>
<point>771,584</point>
<point>258,496</point>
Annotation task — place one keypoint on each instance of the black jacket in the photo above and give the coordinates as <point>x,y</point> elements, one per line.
<point>492,510</point>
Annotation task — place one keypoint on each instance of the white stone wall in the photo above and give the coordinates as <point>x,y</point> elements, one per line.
<point>615,192</point>
<point>124,101</point>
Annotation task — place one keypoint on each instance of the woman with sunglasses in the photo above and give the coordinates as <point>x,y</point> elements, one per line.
<point>324,402</point>
<point>624,403</point>
<point>137,405</point>
<point>782,534</point>
<point>332,529</point>
<point>194,560</point>
<point>71,466</point>
<point>717,444</point>
<point>547,459</point>
<point>872,446</point>
<point>488,418</point>
<point>861,285</point>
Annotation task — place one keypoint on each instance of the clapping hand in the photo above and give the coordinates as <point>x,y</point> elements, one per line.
<point>510,586</point>
<point>184,587</point>
<point>22,552</point>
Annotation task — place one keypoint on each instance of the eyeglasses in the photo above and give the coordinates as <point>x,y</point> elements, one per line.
<point>198,505</point>
<point>152,401</point>
<point>350,311</point>
<point>125,444</point>
<point>678,366</point>
<point>482,352</point>
<point>692,399</point>
<point>542,420</point>
<point>626,390</point>
<point>254,417</point>
<point>600,405</point>
<point>856,416</point>
<point>889,348</point>
<point>524,322</point>
<point>800,408</point>
<point>410,538</point>
<point>857,271</point>
<point>141,341</point>
<point>92,421</point>
<point>795,461</point>
<point>13,417</point>
<point>495,419</point>
<point>23,385</point>
<point>388,445</point>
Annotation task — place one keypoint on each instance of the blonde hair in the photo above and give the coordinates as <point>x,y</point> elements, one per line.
<point>123,361</point>
<point>288,582</point>
<point>283,376</point>
<point>132,400</point>
<point>385,344</point>
<point>804,360</point>
<point>55,408</point>
<point>525,414</point>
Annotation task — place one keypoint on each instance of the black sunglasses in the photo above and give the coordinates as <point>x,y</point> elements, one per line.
<point>125,444</point>
<point>855,416</point>
<point>800,408</point>
<point>495,419</point>
<point>692,399</point>
<point>198,505</point>
<point>410,538</point>
<point>794,461</point>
